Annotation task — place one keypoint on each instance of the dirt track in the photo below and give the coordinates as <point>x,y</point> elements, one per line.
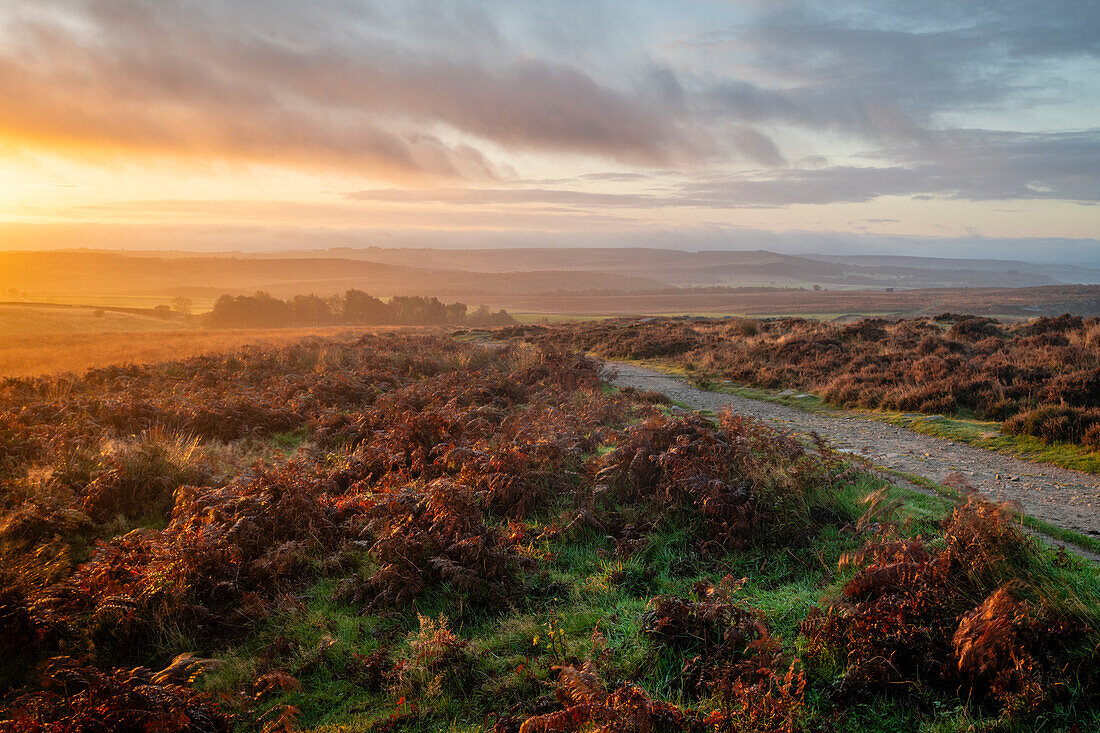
<point>1069,499</point>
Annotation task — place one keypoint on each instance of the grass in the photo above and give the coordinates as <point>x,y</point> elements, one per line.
<point>291,440</point>
<point>595,591</point>
<point>984,434</point>
<point>585,600</point>
<point>597,608</point>
<point>33,355</point>
<point>35,320</point>
<point>964,430</point>
<point>987,435</point>
<point>198,304</point>
<point>1084,541</point>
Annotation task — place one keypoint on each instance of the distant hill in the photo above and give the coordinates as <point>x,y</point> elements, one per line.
<point>1020,303</point>
<point>511,277</point>
<point>68,273</point>
<point>731,268</point>
<point>1061,273</point>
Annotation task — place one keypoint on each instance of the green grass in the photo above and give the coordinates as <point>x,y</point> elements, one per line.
<point>595,592</point>
<point>290,440</point>
<point>978,433</point>
<point>982,434</point>
<point>987,435</point>
<point>1084,541</point>
<point>587,602</point>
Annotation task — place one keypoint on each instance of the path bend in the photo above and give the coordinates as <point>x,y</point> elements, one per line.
<point>1066,498</point>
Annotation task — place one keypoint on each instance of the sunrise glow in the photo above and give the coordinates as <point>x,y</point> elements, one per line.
<point>242,125</point>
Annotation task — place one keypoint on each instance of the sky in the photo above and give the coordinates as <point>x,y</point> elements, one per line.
<point>925,128</point>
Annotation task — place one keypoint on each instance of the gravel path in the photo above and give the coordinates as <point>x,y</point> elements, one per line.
<point>1069,499</point>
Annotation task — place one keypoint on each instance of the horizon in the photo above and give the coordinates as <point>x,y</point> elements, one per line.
<point>444,246</point>
<point>967,132</point>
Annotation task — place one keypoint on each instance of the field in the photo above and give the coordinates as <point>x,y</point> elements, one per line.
<point>1015,303</point>
<point>133,302</point>
<point>37,319</point>
<point>407,532</point>
<point>549,283</point>
<point>1039,378</point>
<point>32,355</point>
<point>38,339</point>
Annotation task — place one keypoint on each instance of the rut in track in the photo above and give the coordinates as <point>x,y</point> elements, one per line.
<point>1069,499</point>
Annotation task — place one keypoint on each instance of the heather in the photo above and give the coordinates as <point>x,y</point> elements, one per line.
<point>407,532</point>
<point>1040,378</point>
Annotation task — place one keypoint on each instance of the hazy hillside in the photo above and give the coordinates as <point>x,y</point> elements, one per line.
<point>1081,300</point>
<point>43,274</point>
<point>1062,273</point>
<point>734,268</point>
<point>600,281</point>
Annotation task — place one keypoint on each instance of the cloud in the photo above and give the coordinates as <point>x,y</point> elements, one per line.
<point>890,70</point>
<point>470,92</point>
<point>507,196</point>
<point>235,81</point>
<point>756,146</point>
<point>971,165</point>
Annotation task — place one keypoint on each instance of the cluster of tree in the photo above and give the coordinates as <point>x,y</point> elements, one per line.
<point>353,307</point>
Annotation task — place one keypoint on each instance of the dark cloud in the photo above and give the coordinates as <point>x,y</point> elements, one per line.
<point>756,147</point>
<point>886,70</point>
<point>965,165</point>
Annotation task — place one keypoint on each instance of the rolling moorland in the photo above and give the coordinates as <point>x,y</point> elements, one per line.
<point>546,282</point>
<point>393,366</point>
<point>1009,303</point>
<point>406,532</point>
<point>53,338</point>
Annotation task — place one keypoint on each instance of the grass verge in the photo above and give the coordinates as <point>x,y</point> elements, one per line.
<point>982,434</point>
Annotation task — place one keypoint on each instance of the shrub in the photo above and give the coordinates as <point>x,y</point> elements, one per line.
<point>977,366</point>
<point>947,620</point>
<point>588,706</point>
<point>76,697</point>
<point>1061,424</point>
<point>437,662</point>
<point>433,535</point>
<point>739,484</point>
<point>138,478</point>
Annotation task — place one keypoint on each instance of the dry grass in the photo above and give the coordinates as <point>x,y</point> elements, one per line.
<point>1016,302</point>
<point>33,319</point>
<point>32,355</point>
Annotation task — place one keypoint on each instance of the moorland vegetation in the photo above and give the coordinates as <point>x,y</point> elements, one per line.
<point>406,532</point>
<point>1039,378</point>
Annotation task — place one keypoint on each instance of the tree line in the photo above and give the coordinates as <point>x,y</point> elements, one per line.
<point>353,307</point>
